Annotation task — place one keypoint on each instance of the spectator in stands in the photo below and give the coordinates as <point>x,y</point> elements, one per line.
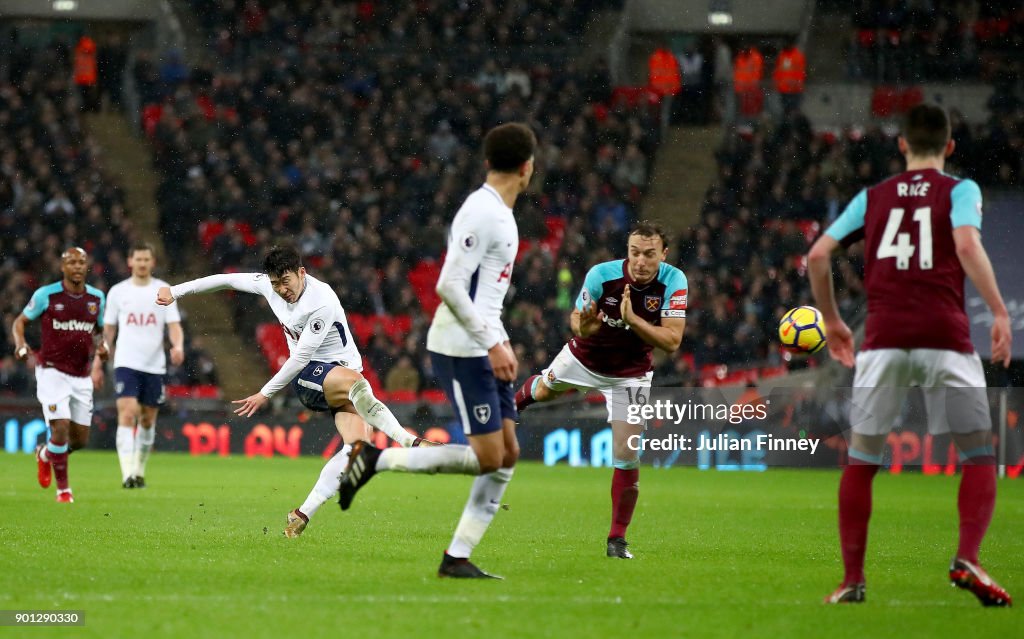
<point>85,74</point>
<point>403,376</point>
<point>790,76</point>
<point>692,105</point>
<point>747,75</point>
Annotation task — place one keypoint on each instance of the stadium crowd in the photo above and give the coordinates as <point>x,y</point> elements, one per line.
<point>363,160</point>
<point>934,40</point>
<point>54,194</point>
<point>337,134</point>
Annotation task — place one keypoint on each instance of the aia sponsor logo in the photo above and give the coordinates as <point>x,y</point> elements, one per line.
<point>140,319</point>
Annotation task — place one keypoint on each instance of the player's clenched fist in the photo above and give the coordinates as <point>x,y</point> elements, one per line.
<point>164,297</point>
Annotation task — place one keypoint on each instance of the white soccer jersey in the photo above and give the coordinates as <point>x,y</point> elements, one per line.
<point>482,247</point>
<point>140,325</point>
<point>315,325</point>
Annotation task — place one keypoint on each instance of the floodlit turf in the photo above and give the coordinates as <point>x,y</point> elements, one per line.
<point>200,554</point>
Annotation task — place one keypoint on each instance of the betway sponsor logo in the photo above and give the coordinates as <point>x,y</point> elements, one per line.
<point>73,325</point>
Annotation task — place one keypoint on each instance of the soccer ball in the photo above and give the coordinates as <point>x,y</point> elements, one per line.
<point>803,330</point>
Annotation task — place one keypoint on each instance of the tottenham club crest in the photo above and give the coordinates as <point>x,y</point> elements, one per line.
<point>318,371</point>
<point>482,412</point>
<point>652,302</point>
<point>92,307</point>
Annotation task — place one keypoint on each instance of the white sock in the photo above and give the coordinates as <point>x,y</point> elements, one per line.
<point>144,439</point>
<point>452,460</point>
<point>126,450</point>
<point>484,501</point>
<point>377,414</point>
<point>328,483</point>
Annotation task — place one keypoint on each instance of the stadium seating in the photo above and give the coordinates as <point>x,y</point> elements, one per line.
<point>315,178</point>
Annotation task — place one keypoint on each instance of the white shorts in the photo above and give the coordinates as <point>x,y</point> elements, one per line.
<point>64,396</point>
<point>567,372</point>
<point>953,385</point>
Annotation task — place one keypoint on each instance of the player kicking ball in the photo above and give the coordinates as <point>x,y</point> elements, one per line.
<point>323,365</point>
<point>625,309</point>
<point>71,314</point>
<point>139,361</point>
<point>921,232</point>
<point>470,352</point>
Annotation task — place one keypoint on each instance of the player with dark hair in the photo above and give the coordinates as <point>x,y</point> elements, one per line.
<point>72,321</point>
<point>921,232</point>
<point>323,366</point>
<point>625,310</point>
<point>470,351</point>
<point>138,326</point>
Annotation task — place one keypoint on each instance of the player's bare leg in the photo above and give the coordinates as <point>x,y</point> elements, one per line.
<point>975,502</point>
<point>64,437</point>
<point>625,486</point>
<point>351,428</point>
<point>145,436</point>
<point>865,458</point>
<point>344,385</point>
<point>128,411</point>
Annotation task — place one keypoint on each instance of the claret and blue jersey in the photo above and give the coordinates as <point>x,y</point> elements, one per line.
<point>913,277</point>
<point>615,350</point>
<point>68,321</point>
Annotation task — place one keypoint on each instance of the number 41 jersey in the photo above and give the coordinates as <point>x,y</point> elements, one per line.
<point>913,277</point>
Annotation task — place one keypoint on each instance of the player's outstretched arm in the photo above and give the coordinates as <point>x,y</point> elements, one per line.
<point>974,259</point>
<point>819,267</point>
<point>308,343</point>
<point>244,282</point>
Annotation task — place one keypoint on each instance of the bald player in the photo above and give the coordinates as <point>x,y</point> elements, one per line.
<point>71,316</point>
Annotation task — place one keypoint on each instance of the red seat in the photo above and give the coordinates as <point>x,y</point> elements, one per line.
<point>273,344</point>
<point>151,115</point>
<point>247,235</point>
<point>633,97</point>
<point>402,396</point>
<point>434,396</point>
<point>423,279</point>
<point>177,391</point>
<point>809,228</point>
<point>773,371</point>
<point>209,231</point>
<point>361,327</point>
<point>885,101</point>
<point>910,98</point>
<point>206,391</point>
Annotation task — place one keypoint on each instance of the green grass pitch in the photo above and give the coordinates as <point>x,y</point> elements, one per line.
<point>719,554</point>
